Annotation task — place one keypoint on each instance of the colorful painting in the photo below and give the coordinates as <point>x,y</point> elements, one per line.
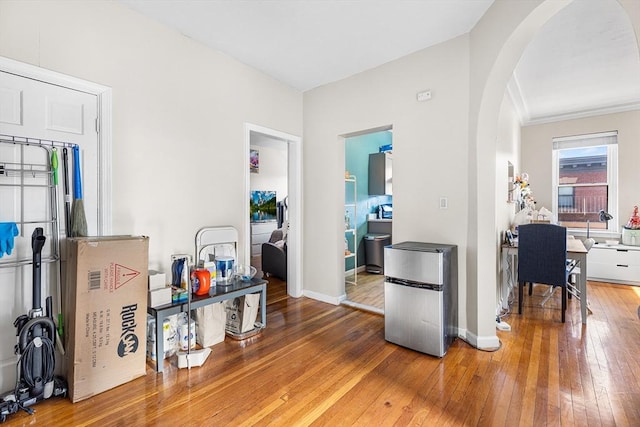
<point>262,206</point>
<point>254,161</point>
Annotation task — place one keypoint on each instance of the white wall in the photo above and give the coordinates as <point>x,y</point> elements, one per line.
<point>429,156</point>
<point>178,113</point>
<point>507,150</point>
<point>273,169</point>
<point>537,151</point>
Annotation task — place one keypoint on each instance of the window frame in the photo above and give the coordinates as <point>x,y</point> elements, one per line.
<point>608,139</point>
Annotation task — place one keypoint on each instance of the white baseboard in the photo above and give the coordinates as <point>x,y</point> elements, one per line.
<point>323,298</point>
<point>483,343</point>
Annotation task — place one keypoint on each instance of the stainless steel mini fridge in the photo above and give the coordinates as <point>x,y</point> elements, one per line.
<point>421,296</point>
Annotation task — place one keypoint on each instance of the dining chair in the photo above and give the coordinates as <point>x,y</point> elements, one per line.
<point>542,258</point>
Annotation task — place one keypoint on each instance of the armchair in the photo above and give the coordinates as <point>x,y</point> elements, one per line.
<point>274,255</point>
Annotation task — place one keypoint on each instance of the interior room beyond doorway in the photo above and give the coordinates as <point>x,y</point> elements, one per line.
<point>368,215</point>
<point>268,201</point>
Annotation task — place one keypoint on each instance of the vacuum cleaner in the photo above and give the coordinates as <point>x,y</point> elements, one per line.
<point>35,348</point>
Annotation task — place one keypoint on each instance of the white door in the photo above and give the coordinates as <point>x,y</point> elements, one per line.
<point>33,109</point>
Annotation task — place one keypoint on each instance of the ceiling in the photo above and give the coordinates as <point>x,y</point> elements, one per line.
<point>584,61</point>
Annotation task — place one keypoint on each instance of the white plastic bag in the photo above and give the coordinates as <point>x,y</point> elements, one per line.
<point>210,324</point>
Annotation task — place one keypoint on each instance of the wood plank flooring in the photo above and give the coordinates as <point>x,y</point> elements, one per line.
<point>319,364</point>
<point>369,291</point>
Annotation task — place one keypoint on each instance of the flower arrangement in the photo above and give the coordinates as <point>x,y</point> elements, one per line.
<point>524,193</point>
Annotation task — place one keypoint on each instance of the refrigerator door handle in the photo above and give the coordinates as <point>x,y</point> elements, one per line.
<point>413,284</point>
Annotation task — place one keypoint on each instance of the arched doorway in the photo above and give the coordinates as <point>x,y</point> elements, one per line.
<point>495,53</point>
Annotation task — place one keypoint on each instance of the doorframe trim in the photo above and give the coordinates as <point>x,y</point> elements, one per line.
<point>294,190</point>
<point>105,121</point>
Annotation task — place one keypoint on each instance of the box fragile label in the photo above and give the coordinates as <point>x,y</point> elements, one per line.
<point>111,277</point>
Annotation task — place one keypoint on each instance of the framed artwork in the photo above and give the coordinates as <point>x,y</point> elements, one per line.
<point>511,185</point>
<point>262,206</point>
<point>254,161</point>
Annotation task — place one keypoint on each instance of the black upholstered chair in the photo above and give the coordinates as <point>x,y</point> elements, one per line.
<point>542,258</point>
<point>274,255</point>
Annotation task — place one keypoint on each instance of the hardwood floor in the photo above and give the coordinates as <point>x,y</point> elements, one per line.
<point>368,292</point>
<point>319,364</point>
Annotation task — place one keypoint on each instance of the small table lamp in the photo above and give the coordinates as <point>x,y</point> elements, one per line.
<point>605,217</point>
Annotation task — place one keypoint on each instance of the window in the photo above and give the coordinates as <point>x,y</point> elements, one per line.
<point>585,170</point>
<point>566,198</point>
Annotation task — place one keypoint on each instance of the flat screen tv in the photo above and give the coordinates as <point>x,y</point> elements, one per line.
<point>262,206</point>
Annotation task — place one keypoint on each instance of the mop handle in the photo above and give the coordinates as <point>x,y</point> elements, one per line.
<point>77,182</point>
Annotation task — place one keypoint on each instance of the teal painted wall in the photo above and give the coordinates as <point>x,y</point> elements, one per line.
<point>357,150</point>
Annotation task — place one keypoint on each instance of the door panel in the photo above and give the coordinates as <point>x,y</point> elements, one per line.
<point>65,117</point>
<point>10,106</point>
<point>33,109</point>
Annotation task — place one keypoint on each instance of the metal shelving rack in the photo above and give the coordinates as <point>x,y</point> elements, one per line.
<point>27,187</point>
<point>351,232</point>
<point>29,195</point>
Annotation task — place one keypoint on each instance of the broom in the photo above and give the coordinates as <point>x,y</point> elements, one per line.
<point>78,218</point>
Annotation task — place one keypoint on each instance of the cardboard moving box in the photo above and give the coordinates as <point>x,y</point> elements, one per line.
<point>105,312</point>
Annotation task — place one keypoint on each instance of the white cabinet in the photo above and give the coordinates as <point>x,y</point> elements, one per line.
<point>261,233</point>
<point>616,264</point>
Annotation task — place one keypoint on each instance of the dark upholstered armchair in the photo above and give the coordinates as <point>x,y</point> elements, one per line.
<point>274,255</point>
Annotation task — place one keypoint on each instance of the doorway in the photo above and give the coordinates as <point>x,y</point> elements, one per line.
<point>268,186</point>
<point>368,202</point>
<point>273,187</point>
